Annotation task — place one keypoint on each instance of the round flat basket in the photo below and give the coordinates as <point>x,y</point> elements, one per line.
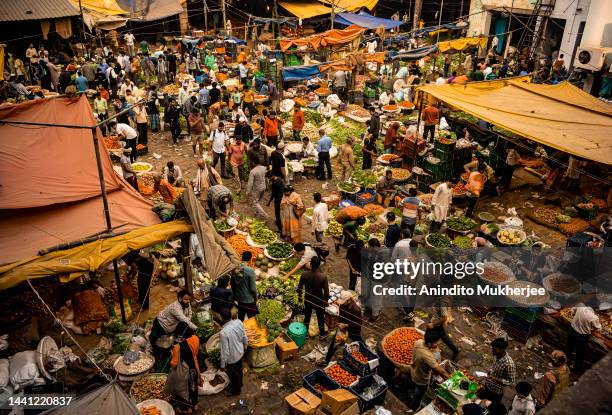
<point>46,346</point>
<point>151,386</point>
<point>385,339</point>
<point>496,273</point>
<point>531,300</point>
<point>521,234</point>
<point>141,167</point>
<point>164,407</point>
<point>214,342</point>
<point>255,245</point>
<point>346,191</point>
<point>486,217</point>
<point>128,372</point>
<point>562,285</point>
<point>267,254</point>
<point>429,245</point>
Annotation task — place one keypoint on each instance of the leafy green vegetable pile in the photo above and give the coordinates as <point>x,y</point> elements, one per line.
<point>205,331</point>
<point>461,223</point>
<point>260,234</point>
<point>462,241</point>
<point>313,117</point>
<point>334,229</point>
<point>438,240</point>
<point>286,266</point>
<point>279,249</point>
<point>270,314</point>
<point>348,187</point>
<point>214,357</point>
<point>221,225</point>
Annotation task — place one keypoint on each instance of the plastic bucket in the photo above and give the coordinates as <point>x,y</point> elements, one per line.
<point>298,333</point>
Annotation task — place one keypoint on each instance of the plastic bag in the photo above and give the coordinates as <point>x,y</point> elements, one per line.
<point>177,383</point>
<point>165,211</point>
<point>4,372</point>
<point>207,388</point>
<point>444,124</point>
<point>23,370</point>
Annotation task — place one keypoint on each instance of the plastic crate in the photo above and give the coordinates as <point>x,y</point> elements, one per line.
<point>362,385</point>
<point>579,240</point>
<point>318,376</point>
<point>519,336</point>
<point>588,214</point>
<point>528,314</point>
<point>518,322</point>
<point>443,155</point>
<point>361,201</point>
<point>438,145</point>
<point>362,369</point>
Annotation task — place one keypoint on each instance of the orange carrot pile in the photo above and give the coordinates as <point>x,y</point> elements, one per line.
<point>341,376</point>
<point>399,345</point>
<point>240,245</point>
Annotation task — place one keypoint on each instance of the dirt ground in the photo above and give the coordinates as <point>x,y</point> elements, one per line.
<point>264,391</point>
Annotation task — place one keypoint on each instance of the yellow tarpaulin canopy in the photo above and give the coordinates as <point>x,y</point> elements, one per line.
<point>89,257</point>
<point>305,9</point>
<point>352,5</point>
<point>462,44</point>
<point>560,116</point>
<point>108,7</point>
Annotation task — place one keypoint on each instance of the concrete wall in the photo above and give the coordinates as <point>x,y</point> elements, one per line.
<point>573,14</point>
<point>480,18</point>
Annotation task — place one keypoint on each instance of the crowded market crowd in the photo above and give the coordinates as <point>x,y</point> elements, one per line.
<point>243,141</point>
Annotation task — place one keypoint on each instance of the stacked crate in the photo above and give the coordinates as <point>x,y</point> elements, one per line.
<point>520,323</point>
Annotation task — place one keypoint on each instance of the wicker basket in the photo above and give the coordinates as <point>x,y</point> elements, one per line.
<point>383,342</point>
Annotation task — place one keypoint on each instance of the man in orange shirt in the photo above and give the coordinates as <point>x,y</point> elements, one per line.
<point>460,79</point>
<point>165,189</point>
<point>298,122</point>
<point>431,116</point>
<point>272,130</point>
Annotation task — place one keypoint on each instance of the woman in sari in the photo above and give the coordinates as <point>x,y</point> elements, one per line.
<point>292,209</point>
<point>188,352</point>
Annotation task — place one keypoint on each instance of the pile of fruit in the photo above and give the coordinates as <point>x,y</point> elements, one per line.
<point>334,229</point>
<point>260,234</point>
<point>359,357</point>
<point>510,236</point>
<point>140,167</point>
<point>112,142</point>
<point>389,157</point>
<point>171,89</point>
<point>373,208</point>
<point>459,189</point>
<point>150,410</point>
<point>320,388</point>
<point>546,215</point>
<point>390,108</point>
<point>461,223</point>
<point>340,376</point>
<point>399,344</point>
<point>263,263</point>
<point>400,174</point>
<point>240,245</point>
<point>279,250</point>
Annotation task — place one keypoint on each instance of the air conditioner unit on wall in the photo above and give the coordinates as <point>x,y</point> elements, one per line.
<point>592,58</point>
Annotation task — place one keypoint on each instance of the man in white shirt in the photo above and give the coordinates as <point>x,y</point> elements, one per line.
<point>385,98</point>
<point>244,72</point>
<point>306,253</point>
<point>126,168</point>
<point>172,320</point>
<point>256,187</point>
<point>320,217</point>
<point>371,46</point>
<point>584,324</point>
<point>220,144</point>
<point>129,42</point>
<point>130,135</point>
<point>439,78</point>
<point>340,84</point>
<point>487,71</point>
<point>183,95</point>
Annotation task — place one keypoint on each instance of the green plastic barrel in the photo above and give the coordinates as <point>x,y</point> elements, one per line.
<point>298,333</point>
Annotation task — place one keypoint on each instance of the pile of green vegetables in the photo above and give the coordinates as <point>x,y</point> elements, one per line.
<point>362,234</point>
<point>438,240</point>
<point>279,250</point>
<point>348,187</point>
<point>461,223</point>
<point>271,312</point>
<point>261,234</point>
<point>309,211</point>
<point>287,265</point>
<point>115,326</point>
<point>313,117</point>
<point>205,331</point>
<point>309,162</point>
<point>461,241</point>
<point>365,178</point>
<point>214,357</point>
<point>221,225</point>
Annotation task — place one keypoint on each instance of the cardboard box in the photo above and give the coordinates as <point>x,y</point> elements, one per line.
<point>337,402</point>
<point>302,402</point>
<point>285,348</point>
<point>351,410</point>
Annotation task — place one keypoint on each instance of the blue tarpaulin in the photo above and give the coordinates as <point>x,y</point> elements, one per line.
<point>300,73</point>
<point>366,21</point>
<point>416,54</point>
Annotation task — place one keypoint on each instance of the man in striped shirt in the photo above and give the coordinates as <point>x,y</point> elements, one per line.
<point>502,373</point>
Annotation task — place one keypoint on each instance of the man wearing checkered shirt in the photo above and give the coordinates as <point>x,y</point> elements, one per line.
<point>502,373</point>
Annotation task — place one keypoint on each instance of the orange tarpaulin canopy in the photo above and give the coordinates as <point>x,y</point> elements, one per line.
<point>50,191</point>
<point>331,37</point>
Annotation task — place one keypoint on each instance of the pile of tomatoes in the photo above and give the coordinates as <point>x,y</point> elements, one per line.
<point>359,357</point>
<point>341,376</point>
<point>400,343</point>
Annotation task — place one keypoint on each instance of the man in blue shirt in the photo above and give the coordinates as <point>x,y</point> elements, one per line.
<point>81,82</point>
<point>323,147</point>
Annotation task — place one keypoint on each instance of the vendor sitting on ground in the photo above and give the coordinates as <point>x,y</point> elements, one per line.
<point>174,320</point>
<point>173,175</point>
<point>165,189</point>
<point>309,148</point>
<point>306,253</point>
<point>386,189</point>
<point>220,201</point>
